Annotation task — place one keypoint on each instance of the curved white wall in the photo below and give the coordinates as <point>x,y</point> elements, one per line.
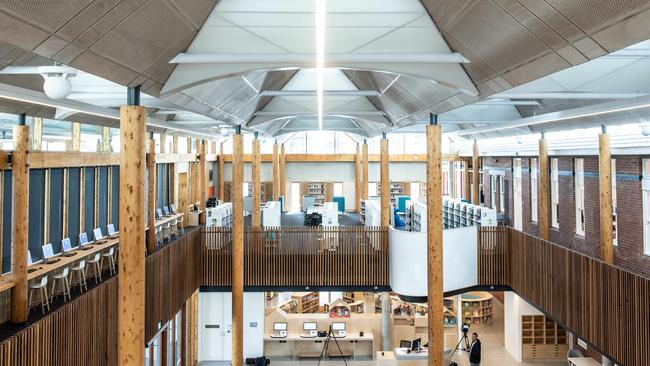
<point>408,260</point>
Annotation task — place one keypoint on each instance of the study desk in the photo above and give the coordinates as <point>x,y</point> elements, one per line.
<point>296,347</point>
<point>401,357</point>
<point>583,361</point>
<point>164,220</point>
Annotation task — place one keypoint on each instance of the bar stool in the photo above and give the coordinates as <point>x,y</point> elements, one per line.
<point>61,277</point>
<point>110,254</point>
<point>166,231</point>
<point>80,270</point>
<point>179,224</point>
<point>174,227</point>
<point>41,288</point>
<point>158,234</point>
<point>95,263</point>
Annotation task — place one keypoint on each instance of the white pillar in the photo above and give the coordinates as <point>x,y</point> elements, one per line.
<point>386,337</point>
<point>571,340</point>
<point>607,361</point>
<point>459,316</point>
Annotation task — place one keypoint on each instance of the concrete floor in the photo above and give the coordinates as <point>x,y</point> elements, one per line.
<point>494,353</point>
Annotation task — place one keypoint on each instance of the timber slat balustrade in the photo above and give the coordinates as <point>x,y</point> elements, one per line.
<point>84,331</point>
<point>300,256</point>
<point>605,305</point>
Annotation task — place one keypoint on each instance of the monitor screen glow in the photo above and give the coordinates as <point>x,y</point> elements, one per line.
<point>83,238</point>
<point>98,233</point>
<point>65,244</point>
<point>111,229</point>
<point>309,326</point>
<point>338,326</point>
<point>279,326</point>
<point>48,251</point>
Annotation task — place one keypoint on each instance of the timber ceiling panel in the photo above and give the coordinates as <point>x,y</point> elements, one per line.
<point>511,42</point>
<point>126,41</point>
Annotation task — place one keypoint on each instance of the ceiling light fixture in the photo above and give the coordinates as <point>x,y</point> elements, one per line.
<point>320,57</point>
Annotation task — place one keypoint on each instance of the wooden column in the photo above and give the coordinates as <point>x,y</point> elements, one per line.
<point>605,198</point>
<point>106,139</point>
<point>468,185</point>
<point>172,174</point>
<point>357,179</point>
<point>434,245</point>
<point>476,166</point>
<point>76,137</point>
<point>364,170</point>
<point>543,193</point>
<point>283,175</point>
<point>37,140</point>
<point>20,166</point>
<point>237,250</point>
<point>151,195</point>
<point>163,143</point>
<point>222,184</point>
<point>257,201</point>
<point>385,183</point>
<point>131,290</point>
<point>188,143</point>
<point>276,173</point>
<point>213,147</point>
<point>203,181</point>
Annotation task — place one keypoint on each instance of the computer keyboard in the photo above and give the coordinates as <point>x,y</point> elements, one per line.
<point>69,254</point>
<point>86,247</point>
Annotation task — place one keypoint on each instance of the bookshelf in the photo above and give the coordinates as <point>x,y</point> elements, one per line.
<point>477,307</point>
<point>290,306</point>
<point>262,191</point>
<point>542,338</point>
<point>307,302</point>
<point>317,189</point>
<point>351,297</point>
<point>456,213</point>
<point>449,315</point>
<point>396,189</point>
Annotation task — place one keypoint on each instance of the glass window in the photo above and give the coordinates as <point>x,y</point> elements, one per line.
<point>372,189</point>
<point>248,143</point>
<point>516,188</point>
<point>493,191</point>
<point>579,183</point>
<point>646,206</point>
<point>555,194</point>
<point>320,142</point>
<point>345,144</point>
<point>614,215</point>
<point>415,143</point>
<point>502,194</point>
<point>338,189</point>
<point>395,143</point>
<point>297,144</point>
<point>533,189</point>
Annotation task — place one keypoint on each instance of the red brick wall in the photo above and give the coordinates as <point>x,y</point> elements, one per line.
<point>629,253</point>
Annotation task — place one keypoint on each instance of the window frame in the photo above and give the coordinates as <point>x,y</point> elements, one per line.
<point>555,193</point>
<point>645,186</point>
<point>579,195</point>
<point>534,189</point>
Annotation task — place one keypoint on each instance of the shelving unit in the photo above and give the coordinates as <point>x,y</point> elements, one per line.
<point>396,189</point>
<point>477,308</point>
<point>262,191</point>
<point>456,213</point>
<point>351,297</point>
<point>290,306</point>
<point>219,216</point>
<point>449,316</point>
<point>317,190</point>
<point>307,302</point>
<point>416,216</point>
<point>542,338</point>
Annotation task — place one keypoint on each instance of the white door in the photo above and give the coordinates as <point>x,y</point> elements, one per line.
<point>226,306</point>
<point>517,217</point>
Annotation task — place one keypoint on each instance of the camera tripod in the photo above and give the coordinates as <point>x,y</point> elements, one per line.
<point>464,337</point>
<point>326,344</point>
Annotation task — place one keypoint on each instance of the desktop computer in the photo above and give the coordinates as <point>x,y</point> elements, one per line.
<point>338,329</point>
<point>309,330</point>
<point>111,231</point>
<point>48,253</point>
<point>66,248</point>
<point>279,330</point>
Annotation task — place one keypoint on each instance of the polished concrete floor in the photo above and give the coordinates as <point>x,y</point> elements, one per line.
<point>494,353</point>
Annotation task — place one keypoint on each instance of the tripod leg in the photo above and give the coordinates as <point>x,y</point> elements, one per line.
<point>466,343</point>
<point>340,352</point>
<point>324,349</point>
<point>457,345</point>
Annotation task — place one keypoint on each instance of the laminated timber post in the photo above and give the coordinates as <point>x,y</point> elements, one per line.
<point>605,197</point>
<point>364,170</point>
<point>256,162</point>
<point>151,195</point>
<point>434,242</point>
<point>222,184</point>
<point>283,176</point>
<point>276,173</point>
<point>385,182</point>
<point>468,186</point>
<point>203,180</point>
<point>37,140</point>
<point>106,139</point>
<point>131,288</point>
<point>76,137</point>
<point>357,179</point>
<point>543,194</point>
<point>20,167</point>
<point>237,198</point>
<point>476,199</point>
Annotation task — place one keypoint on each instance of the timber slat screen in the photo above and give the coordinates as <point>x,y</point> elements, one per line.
<point>84,331</point>
<point>300,256</point>
<point>605,305</point>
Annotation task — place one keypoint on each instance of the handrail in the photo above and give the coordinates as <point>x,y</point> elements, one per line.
<point>300,256</point>
<point>605,305</point>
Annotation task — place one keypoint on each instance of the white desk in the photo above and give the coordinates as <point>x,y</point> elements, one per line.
<point>389,358</point>
<point>297,347</point>
<point>403,354</point>
<point>583,361</point>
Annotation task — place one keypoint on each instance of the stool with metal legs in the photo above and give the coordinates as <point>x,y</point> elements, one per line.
<point>40,287</point>
<point>95,264</point>
<point>110,254</point>
<point>62,278</point>
<point>80,270</point>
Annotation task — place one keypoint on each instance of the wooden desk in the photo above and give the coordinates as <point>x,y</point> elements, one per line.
<point>40,269</point>
<point>164,220</point>
<point>297,347</point>
<point>583,361</point>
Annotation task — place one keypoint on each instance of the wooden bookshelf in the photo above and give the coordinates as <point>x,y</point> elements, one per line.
<point>477,307</point>
<point>308,302</point>
<point>449,315</point>
<point>351,297</point>
<point>290,306</point>
<point>542,338</point>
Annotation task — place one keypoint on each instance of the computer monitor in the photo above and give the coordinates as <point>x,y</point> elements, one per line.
<point>416,344</point>
<point>97,232</point>
<point>66,246</point>
<point>29,258</point>
<point>173,208</point>
<point>309,326</point>
<point>279,327</point>
<point>83,239</point>
<point>338,326</point>
<point>159,213</point>
<point>166,210</point>
<point>111,229</point>
<point>48,251</point>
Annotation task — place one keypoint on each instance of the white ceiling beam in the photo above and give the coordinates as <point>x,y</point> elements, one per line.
<point>563,95</point>
<point>294,114</point>
<point>507,102</point>
<point>327,93</point>
<point>228,58</point>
